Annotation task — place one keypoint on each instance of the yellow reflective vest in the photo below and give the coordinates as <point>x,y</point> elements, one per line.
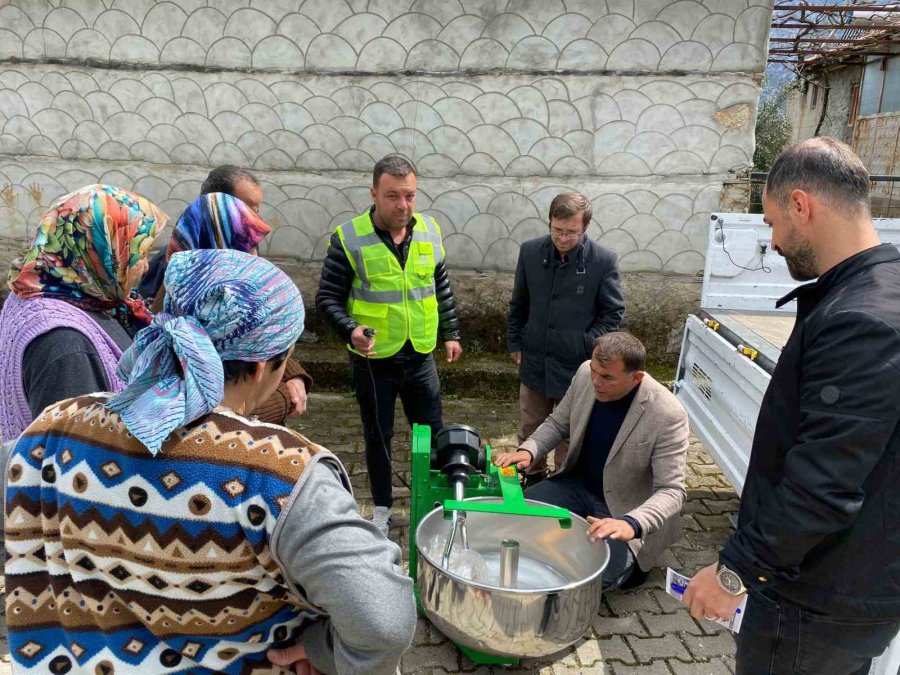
<point>398,303</point>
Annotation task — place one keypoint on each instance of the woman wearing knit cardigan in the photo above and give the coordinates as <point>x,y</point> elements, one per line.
<point>71,312</point>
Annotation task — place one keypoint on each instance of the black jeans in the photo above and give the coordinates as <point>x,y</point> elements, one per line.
<point>779,637</point>
<point>414,377</point>
<point>570,493</point>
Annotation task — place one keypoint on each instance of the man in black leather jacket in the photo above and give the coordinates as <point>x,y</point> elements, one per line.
<point>818,541</point>
<point>383,281</point>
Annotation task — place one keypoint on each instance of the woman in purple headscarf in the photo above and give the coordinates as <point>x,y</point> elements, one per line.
<point>214,221</point>
<point>221,221</point>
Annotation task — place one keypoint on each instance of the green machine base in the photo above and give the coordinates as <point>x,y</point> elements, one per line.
<point>487,659</point>
<point>431,489</point>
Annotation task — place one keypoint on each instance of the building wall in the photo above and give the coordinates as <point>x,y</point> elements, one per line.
<point>804,118</point>
<point>647,107</point>
<point>877,140</point>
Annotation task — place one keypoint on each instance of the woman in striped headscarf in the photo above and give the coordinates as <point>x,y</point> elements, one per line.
<point>221,221</point>
<point>214,221</point>
<point>72,311</point>
<point>162,530</point>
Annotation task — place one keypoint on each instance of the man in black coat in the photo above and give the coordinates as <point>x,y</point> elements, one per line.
<point>818,541</point>
<point>567,293</point>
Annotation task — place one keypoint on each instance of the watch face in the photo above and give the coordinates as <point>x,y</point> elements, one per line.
<point>730,581</point>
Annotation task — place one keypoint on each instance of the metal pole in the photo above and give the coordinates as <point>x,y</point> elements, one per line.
<point>509,563</point>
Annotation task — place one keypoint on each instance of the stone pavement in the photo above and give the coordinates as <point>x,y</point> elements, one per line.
<point>638,632</point>
<point>643,631</point>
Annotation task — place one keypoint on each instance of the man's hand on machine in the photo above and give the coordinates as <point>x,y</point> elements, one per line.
<point>611,528</point>
<point>521,458</point>
<point>361,342</point>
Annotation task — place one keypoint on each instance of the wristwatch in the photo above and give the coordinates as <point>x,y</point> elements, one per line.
<point>729,581</point>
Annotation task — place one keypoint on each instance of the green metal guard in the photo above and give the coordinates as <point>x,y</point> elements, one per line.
<point>513,501</point>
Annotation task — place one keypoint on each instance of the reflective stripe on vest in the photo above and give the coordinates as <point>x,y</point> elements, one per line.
<point>399,303</point>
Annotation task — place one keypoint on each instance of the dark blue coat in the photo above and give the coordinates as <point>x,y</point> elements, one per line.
<point>559,307</point>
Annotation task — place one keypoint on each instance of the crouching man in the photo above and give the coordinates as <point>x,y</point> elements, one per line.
<point>628,439</point>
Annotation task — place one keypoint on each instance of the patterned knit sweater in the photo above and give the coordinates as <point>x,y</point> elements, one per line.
<point>121,562</point>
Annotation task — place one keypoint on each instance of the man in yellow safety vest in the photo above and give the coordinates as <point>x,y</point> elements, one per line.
<point>385,290</point>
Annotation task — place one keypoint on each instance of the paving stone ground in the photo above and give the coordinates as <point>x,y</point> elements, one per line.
<point>640,632</point>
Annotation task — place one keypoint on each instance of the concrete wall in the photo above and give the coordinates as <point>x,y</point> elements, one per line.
<point>877,140</point>
<point>804,118</point>
<point>646,106</point>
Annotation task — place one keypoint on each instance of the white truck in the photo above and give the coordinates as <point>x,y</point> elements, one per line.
<point>730,349</point>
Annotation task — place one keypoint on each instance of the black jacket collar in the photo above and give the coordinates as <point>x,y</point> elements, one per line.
<point>845,269</point>
<point>548,252</point>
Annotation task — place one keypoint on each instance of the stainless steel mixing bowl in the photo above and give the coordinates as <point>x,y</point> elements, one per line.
<point>561,567</point>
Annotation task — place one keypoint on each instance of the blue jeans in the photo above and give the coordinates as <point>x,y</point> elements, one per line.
<point>570,493</point>
<point>779,637</point>
<point>414,378</point>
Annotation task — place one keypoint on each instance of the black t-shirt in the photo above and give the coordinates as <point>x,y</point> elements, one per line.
<point>62,363</point>
<point>602,429</point>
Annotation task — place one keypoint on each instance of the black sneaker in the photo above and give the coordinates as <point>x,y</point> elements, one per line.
<point>635,579</point>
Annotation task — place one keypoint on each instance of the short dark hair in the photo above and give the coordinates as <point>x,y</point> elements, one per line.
<point>568,204</point>
<point>393,165</point>
<point>235,371</point>
<point>823,166</point>
<point>224,179</point>
<point>620,344</point>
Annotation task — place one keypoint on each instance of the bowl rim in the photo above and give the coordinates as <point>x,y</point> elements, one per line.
<point>575,585</point>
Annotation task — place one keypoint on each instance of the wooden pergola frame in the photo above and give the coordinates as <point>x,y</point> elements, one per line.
<point>811,33</point>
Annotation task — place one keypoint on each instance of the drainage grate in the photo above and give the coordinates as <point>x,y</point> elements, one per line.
<point>702,381</point>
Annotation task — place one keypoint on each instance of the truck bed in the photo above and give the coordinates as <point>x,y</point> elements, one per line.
<point>766,333</point>
<point>769,331</point>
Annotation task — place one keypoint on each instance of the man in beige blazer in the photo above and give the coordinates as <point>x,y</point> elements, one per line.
<point>628,440</point>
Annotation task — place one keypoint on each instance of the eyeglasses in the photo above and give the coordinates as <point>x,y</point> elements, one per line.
<point>565,234</point>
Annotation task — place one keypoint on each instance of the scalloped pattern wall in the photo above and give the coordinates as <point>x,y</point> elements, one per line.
<point>646,106</point>
<point>394,35</point>
<point>660,227</point>
<point>479,126</point>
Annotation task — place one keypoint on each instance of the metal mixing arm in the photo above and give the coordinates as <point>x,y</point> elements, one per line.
<point>459,521</point>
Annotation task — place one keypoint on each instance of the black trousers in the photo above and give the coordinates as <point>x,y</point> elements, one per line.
<point>779,637</point>
<point>570,493</point>
<point>377,383</point>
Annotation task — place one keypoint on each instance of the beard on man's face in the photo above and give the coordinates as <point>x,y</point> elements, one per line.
<point>801,262</point>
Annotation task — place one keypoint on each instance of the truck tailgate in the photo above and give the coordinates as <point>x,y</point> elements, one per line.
<point>721,389</point>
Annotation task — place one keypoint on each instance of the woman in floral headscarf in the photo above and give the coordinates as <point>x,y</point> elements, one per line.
<point>72,312</point>
<point>218,220</point>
